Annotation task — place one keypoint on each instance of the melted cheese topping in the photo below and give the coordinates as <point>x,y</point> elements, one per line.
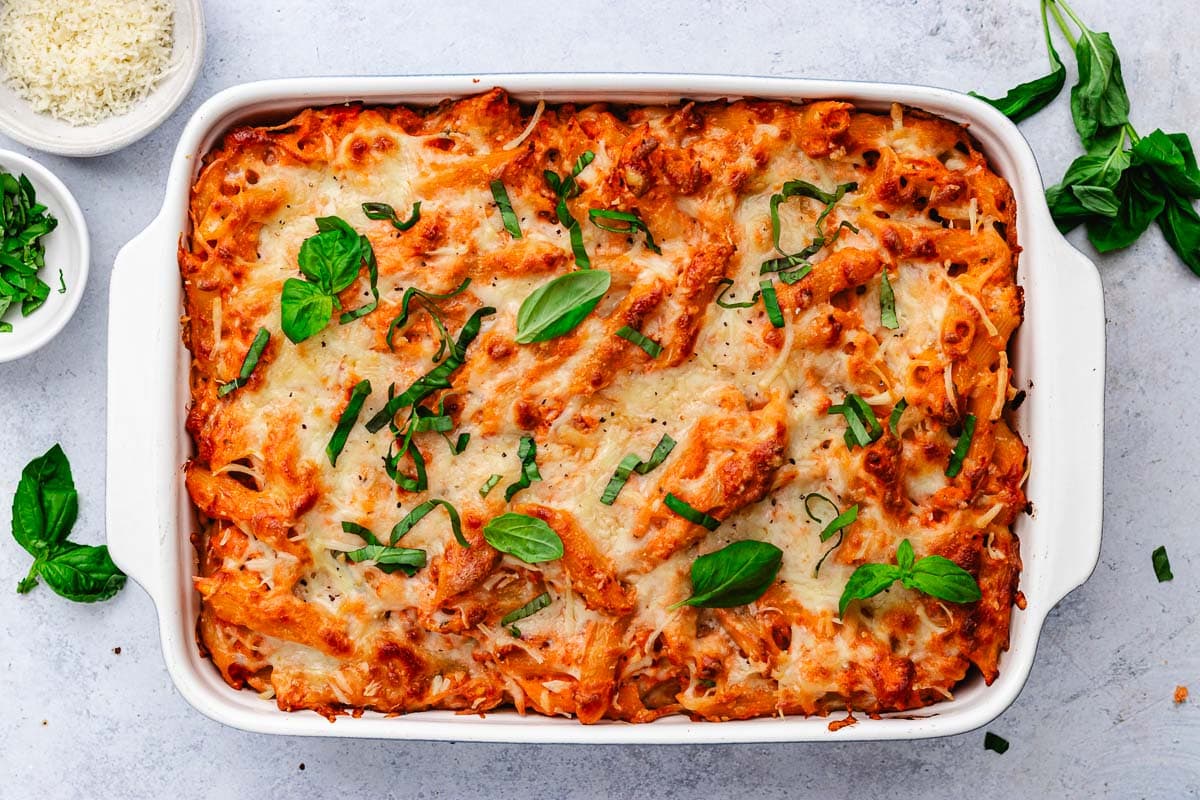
<point>746,402</point>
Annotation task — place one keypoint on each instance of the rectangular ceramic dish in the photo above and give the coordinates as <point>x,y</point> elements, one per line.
<point>1058,358</point>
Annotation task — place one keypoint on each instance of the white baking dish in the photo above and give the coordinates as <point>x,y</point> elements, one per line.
<point>1058,358</point>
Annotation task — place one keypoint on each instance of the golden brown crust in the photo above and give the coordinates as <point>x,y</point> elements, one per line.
<point>747,403</point>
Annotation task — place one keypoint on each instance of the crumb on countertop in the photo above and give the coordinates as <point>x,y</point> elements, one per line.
<point>1181,695</point>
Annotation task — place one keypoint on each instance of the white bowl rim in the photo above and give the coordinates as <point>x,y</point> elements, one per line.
<point>141,124</point>
<point>70,221</point>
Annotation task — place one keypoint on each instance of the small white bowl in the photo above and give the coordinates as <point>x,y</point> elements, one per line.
<point>67,248</point>
<point>51,135</point>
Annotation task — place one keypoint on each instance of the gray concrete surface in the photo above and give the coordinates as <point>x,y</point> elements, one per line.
<point>1096,718</point>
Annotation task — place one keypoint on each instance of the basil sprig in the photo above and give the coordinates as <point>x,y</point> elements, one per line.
<point>837,526</point>
<point>500,196</point>
<point>961,447</point>
<point>887,302</point>
<point>346,421</point>
<point>527,452</point>
<point>1116,189</point>
<point>693,515</point>
<point>44,510</point>
<point>1026,99</point>
<point>633,224</point>
<point>23,223</point>
<point>387,557</point>
<point>652,348</point>
<point>565,189</point>
<point>249,363</point>
<point>862,428</point>
<point>1162,564</point>
<point>935,576</point>
<point>529,609</point>
<point>528,538</point>
<point>735,575</point>
<point>558,305</point>
<point>786,263</point>
<point>330,261</point>
<point>631,464</point>
<point>385,211</point>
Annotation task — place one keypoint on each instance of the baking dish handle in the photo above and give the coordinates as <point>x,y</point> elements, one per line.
<point>1076,404</point>
<point>142,473</point>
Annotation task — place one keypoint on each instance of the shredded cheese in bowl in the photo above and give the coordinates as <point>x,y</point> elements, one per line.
<point>85,62</point>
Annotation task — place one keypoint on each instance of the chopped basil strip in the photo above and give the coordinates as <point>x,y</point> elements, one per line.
<point>557,306</point>
<point>425,300</point>
<point>23,223</point>
<point>887,302</point>
<point>787,261</point>
<point>385,211</point>
<point>735,575</point>
<point>1162,565</point>
<point>387,558</point>
<point>565,189</point>
<point>894,417</point>
<point>997,744</point>
<point>527,452</point>
<point>633,223</point>
<point>692,515</point>
<point>248,363</point>
<point>631,463</point>
<point>652,348</point>
<point>420,512</point>
<point>500,195</point>
<point>368,255</point>
<point>346,421</point>
<point>436,378</point>
<point>726,283</point>
<point>809,498</point>
<point>962,447</point>
<point>771,303</point>
<point>489,484</point>
<point>840,523</point>
<point>529,609</point>
<point>862,427</point>
<point>528,538</point>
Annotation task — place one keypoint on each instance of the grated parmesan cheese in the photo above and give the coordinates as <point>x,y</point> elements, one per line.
<point>84,62</point>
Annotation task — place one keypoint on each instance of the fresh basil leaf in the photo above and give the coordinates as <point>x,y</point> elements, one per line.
<point>1099,103</point>
<point>529,609</point>
<point>45,505</point>
<point>330,259</point>
<point>939,577</point>
<point>527,452</point>
<point>633,223</point>
<point>866,581</point>
<point>961,447</point>
<point>720,300</point>
<point>894,418</point>
<point>887,302</point>
<point>386,212</point>
<point>997,744</point>
<point>305,309</point>
<point>1026,99</point>
<point>82,573</point>
<point>735,575</point>
<point>652,348</point>
<point>1097,199</point>
<point>489,484</point>
<point>249,363</point>
<point>771,303</point>
<point>1162,564</point>
<point>500,196</point>
<point>1141,202</point>
<point>692,515</point>
<point>631,464</point>
<point>1181,228</point>
<point>528,538</point>
<point>346,421</point>
<point>558,305</point>
<point>1171,158</point>
<point>905,556</point>
<point>368,256</point>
